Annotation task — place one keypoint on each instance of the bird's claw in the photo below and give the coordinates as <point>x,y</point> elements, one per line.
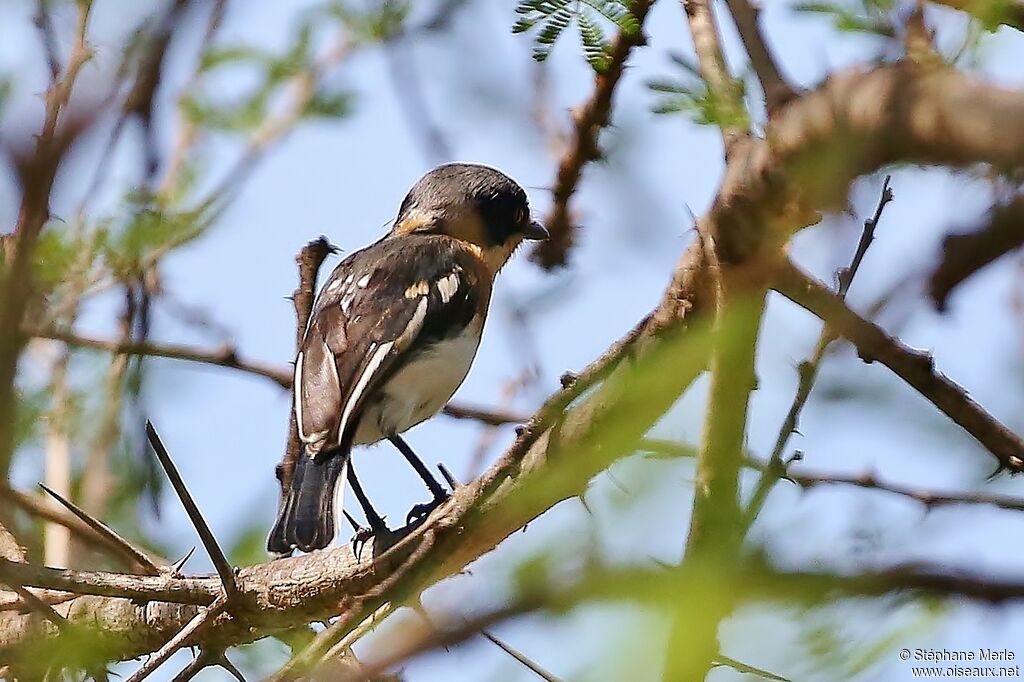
<point>420,512</point>
<point>359,540</point>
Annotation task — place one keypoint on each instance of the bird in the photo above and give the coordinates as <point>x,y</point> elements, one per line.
<point>392,336</point>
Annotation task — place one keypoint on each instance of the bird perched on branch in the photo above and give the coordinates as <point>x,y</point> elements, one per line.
<point>393,334</point>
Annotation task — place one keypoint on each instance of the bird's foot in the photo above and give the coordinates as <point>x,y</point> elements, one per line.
<point>420,512</point>
<point>377,531</point>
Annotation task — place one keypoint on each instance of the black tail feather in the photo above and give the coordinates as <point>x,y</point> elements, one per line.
<point>306,520</point>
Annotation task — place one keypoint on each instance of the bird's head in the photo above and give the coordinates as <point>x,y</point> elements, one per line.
<point>478,205</point>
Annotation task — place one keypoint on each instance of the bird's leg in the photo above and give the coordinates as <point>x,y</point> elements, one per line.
<point>440,494</point>
<point>378,528</point>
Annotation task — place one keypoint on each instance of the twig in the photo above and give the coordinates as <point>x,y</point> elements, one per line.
<point>741,667</point>
<point>484,416</point>
<point>408,88</point>
<point>228,357</point>
<point>36,173</point>
<point>965,254</point>
<point>108,533</point>
<point>808,369</point>
<point>521,657</point>
<point>205,659</point>
<point>711,61</point>
<point>44,22</point>
<point>777,91</point>
<point>195,627</point>
<point>223,356</point>
<point>220,562</point>
<point>309,260</point>
<point>588,121</point>
<point>37,605</point>
<point>714,529</point>
<point>916,368</point>
<point>430,637</point>
<point>866,238</point>
<point>929,498</point>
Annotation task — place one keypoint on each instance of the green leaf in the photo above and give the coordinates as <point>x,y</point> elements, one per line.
<point>553,17</point>
<point>219,56</point>
<point>149,232</point>
<point>236,117</point>
<point>690,95</point>
<point>871,16</point>
<point>378,24</point>
<point>329,105</point>
<point>56,253</point>
<point>616,12</point>
<point>595,46</point>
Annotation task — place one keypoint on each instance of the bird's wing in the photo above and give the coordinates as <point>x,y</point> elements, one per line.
<point>380,306</point>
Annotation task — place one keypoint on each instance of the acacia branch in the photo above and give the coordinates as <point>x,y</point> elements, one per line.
<point>808,369</point>
<point>588,121</point>
<point>228,356</point>
<point>965,254</point>
<point>916,368</point>
<point>777,91</point>
<point>37,171</point>
<point>221,356</point>
<point>713,69</point>
<point>929,498</point>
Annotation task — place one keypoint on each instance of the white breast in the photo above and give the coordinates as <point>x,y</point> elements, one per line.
<point>421,388</point>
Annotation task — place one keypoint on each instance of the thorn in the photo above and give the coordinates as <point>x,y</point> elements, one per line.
<point>453,482</point>
<point>180,563</point>
<point>520,430</point>
<point>995,472</point>
<point>108,533</point>
<point>352,522</point>
<point>220,561</point>
<point>520,657</point>
<point>567,379</point>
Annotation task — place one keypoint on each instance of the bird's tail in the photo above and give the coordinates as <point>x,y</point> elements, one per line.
<point>306,519</point>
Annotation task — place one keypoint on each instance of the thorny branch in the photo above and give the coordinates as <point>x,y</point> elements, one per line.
<point>36,173</point>
<point>588,121</point>
<point>738,309</point>
<point>309,260</point>
<point>777,91</point>
<point>808,369</point>
<point>916,368</point>
<point>965,254</point>
<point>228,356</point>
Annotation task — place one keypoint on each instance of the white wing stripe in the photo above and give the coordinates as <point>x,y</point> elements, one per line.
<point>297,383</point>
<point>364,379</point>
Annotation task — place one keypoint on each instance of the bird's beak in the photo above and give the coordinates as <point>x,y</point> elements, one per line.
<point>535,231</point>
